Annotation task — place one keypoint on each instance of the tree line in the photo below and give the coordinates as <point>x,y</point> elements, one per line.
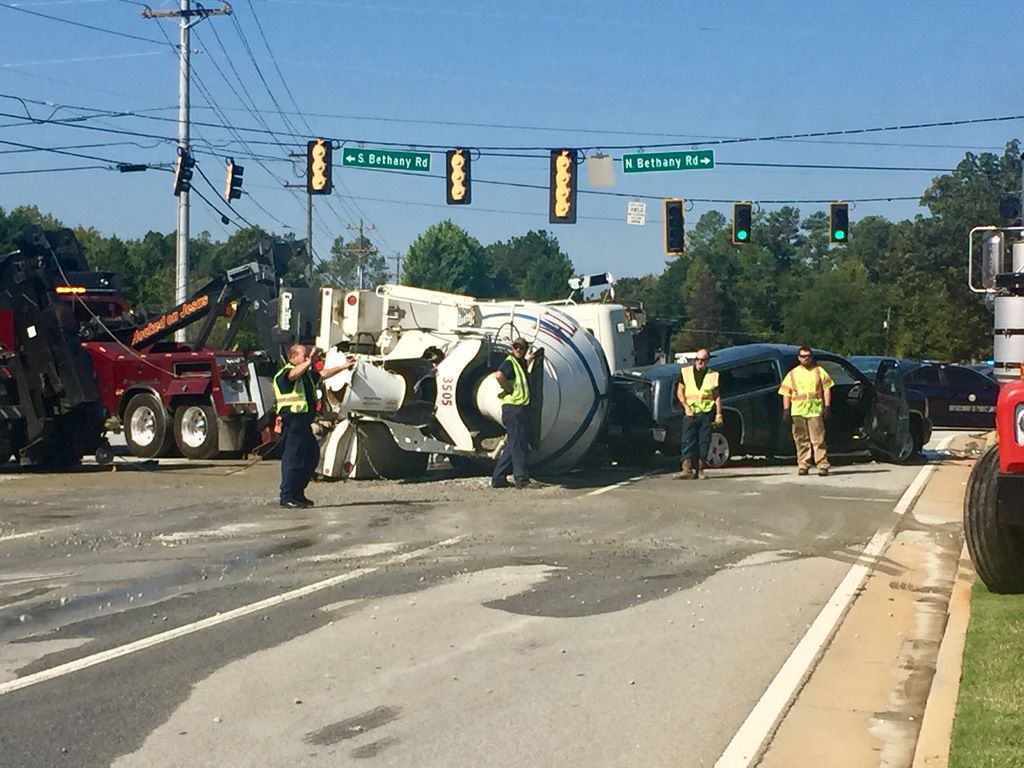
<point>895,288</point>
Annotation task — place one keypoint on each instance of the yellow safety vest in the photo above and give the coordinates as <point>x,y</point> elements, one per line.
<point>294,401</point>
<point>806,390</point>
<point>700,399</point>
<point>520,394</point>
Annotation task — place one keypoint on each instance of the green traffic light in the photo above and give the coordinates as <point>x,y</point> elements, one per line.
<point>741,234</point>
<point>840,234</point>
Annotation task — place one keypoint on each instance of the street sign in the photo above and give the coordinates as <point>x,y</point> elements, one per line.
<point>636,213</point>
<point>386,159</point>
<point>645,162</point>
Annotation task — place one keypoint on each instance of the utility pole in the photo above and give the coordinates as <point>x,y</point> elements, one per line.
<point>309,212</point>
<point>398,268</point>
<point>309,233</point>
<point>362,250</point>
<point>188,18</point>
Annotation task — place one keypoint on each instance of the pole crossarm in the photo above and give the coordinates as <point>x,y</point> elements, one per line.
<point>188,13</point>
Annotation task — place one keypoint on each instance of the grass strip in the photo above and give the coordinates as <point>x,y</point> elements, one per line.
<point>988,731</point>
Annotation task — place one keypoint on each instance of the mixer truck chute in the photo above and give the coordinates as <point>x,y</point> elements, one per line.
<point>423,382</point>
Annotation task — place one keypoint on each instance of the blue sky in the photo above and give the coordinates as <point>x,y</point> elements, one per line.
<point>533,74</point>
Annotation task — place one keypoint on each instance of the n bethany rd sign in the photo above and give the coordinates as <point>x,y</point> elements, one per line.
<point>386,159</point>
<point>698,159</point>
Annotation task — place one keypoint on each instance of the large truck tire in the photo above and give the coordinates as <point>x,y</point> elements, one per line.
<point>147,428</point>
<point>378,455</point>
<point>996,548</point>
<point>196,431</point>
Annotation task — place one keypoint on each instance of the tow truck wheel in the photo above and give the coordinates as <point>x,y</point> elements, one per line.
<point>145,427</point>
<point>997,549</point>
<point>195,431</point>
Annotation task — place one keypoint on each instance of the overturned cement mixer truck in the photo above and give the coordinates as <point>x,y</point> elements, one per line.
<point>422,383</point>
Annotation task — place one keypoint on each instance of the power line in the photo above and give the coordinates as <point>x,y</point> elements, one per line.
<point>495,149</point>
<point>57,170</point>
<point>94,28</point>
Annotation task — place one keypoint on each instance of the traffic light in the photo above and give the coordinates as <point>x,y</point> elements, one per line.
<point>675,226</point>
<point>318,167</point>
<point>742,214</point>
<point>183,173</point>
<point>839,222</point>
<point>562,207</point>
<point>457,177</point>
<point>233,184</point>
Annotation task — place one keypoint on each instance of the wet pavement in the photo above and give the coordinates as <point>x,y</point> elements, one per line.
<point>444,622</point>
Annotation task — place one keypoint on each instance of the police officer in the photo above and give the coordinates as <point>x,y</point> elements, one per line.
<point>697,392</point>
<point>295,395</point>
<point>807,400</point>
<point>515,397</point>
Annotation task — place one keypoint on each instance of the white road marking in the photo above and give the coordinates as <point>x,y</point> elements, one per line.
<point>27,534</point>
<point>612,487</point>
<point>854,498</point>
<point>211,621</point>
<point>746,744</point>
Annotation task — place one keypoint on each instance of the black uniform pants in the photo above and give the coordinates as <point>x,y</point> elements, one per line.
<point>300,454</point>
<point>697,438</point>
<point>513,458</point>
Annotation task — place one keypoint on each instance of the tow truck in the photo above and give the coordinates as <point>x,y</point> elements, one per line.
<point>171,397</point>
<point>994,501</point>
<point>50,408</point>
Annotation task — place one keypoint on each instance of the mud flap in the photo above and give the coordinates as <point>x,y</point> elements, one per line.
<point>1010,499</point>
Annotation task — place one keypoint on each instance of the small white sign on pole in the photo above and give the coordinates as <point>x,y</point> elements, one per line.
<point>636,213</point>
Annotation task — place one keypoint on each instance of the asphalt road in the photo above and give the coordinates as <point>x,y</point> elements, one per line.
<point>618,619</point>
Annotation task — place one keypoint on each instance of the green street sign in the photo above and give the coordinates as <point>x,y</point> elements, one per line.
<point>385,159</point>
<point>646,162</point>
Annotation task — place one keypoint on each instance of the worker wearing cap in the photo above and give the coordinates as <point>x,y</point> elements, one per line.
<point>807,401</point>
<point>295,396</point>
<point>697,392</point>
<point>515,399</point>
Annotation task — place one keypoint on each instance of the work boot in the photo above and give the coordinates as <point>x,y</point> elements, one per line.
<point>823,471</point>
<point>802,471</point>
<point>702,473</point>
<point>686,473</point>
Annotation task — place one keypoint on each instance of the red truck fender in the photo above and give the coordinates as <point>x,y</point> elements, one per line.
<point>1010,425</point>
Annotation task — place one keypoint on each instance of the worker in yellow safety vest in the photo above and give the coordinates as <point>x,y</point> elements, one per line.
<point>514,380</point>
<point>697,391</point>
<point>807,402</point>
<point>295,398</point>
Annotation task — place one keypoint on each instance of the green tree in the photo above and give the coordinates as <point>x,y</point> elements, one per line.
<point>840,310</point>
<point>446,258</point>
<point>530,266</point>
<point>17,219</point>
<point>705,308</point>
<point>343,266</point>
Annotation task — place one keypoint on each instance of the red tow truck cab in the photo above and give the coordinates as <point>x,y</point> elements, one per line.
<point>172,397</point>
<point>1010,426</point>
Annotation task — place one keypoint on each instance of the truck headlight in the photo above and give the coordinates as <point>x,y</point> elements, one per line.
<point>1018,420</point>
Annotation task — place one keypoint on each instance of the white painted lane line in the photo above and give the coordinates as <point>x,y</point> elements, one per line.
<point>612,487</point>
<point>855,498</point>
<point>745,747</point>
<point>27,534</point>
<point>212,621</point>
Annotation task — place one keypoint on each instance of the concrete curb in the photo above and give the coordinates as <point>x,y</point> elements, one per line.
<point>935,736</point>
